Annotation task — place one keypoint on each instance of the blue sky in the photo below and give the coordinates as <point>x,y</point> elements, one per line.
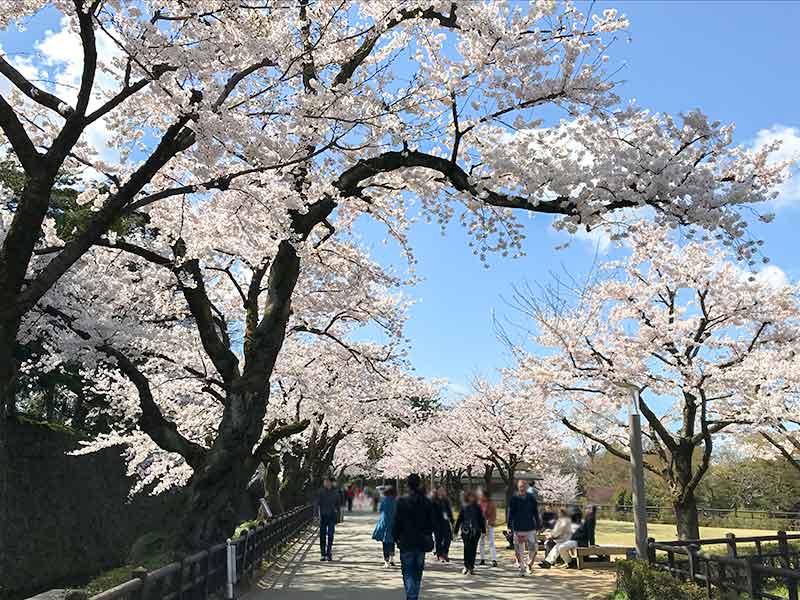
<point>736,61</point>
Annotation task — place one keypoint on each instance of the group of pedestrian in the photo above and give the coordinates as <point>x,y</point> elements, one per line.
<point>416,524</point>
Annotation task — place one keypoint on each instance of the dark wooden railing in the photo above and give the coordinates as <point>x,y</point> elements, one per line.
<point>205,574</point>
<point>756,565</point>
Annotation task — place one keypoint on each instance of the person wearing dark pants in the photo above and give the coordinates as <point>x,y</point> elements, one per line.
<point>327,506</point>
<point>472,524</point>
<point>414,522</point>
<point>383,528</point>
<point>412,564</point>
<point>444,526</point>
<point>327,528</point>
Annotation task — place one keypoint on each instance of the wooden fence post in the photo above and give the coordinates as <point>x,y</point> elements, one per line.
<point>140,573</point>
<point>791,586</point>
<point>731,545</point>
<point>692,552</point>
<point>753,580</point>
<point>651,551</point>
<point>707,571</point>
<point>783,548</point>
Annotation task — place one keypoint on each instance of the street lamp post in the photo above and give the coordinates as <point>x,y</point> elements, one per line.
<point>637,473</point>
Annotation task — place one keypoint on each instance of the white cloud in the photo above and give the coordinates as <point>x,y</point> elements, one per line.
<point>62,52</point>
<point>772,276</point>
<point>789,191</point>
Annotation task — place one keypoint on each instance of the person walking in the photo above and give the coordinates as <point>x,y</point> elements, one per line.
<point>383,531</point>
<point>327,506</point>
<point>524,521</point>
<point>444,525</point>
<point>350,494</point>
<point>489,510</point>
<point>472,525</point>
<point>414,521</point>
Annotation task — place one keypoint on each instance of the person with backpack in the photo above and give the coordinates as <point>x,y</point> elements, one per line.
<point>414,522</point>
<point>524,521</point>
<point>472,525</point>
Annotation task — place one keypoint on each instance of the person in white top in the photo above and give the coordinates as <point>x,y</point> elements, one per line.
<point>562,530</point>
<point>561,534</point>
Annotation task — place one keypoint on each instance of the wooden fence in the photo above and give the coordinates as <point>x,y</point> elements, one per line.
<point>727,517</point>
<point>213,572</point>
<point>758,566</point>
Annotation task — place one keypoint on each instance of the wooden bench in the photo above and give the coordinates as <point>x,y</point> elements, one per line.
<point>599,551</point>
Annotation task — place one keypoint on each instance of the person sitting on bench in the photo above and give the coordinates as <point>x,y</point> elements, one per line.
<point>559,532</point>
<point>583,537</point>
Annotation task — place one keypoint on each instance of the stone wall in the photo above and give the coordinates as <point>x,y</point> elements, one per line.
<point>67,517</point>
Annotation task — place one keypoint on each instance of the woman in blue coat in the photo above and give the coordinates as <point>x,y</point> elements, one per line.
<point>383,528</point>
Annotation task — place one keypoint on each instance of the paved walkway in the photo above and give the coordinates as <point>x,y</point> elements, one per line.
<point>357,573</point>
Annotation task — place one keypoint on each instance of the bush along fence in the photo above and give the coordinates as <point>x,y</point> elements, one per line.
<point>763,567</point>
<point>217,571</point>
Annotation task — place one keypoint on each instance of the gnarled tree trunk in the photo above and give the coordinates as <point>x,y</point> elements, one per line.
<point>686,517</point>
<point>683,485</point>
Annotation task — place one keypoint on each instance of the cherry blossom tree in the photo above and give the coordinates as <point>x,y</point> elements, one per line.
<point>291,121</point>
<point>558,488</point>
<point>313,92</point>
<point>706,345</point>
<point>507,426</point>
<point>499,427</point>
<point>351,403</point>
<point>185,355</point>
<point>150,81</point>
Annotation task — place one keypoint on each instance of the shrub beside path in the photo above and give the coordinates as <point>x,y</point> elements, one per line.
<point>357,573</point>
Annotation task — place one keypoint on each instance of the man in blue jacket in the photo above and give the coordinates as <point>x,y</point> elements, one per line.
<point>524,521</point>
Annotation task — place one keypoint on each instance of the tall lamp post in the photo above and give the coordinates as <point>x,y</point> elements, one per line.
<point>637,472</point>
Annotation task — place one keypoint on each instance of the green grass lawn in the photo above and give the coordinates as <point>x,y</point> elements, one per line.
<point>620,533</point>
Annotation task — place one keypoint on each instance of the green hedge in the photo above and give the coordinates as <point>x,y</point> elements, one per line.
<point>637,581</point>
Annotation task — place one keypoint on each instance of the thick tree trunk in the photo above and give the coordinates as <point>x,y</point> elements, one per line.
<point>488,471</point>
<point>215,500</point>
<point>684,501</point>
<point>217,488</point>
<point>453,485</point>
<point>8,370</point>
<point>508,480</point>
<point>686,517</point>
<point>272,482</point>
<point>292,480</point>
